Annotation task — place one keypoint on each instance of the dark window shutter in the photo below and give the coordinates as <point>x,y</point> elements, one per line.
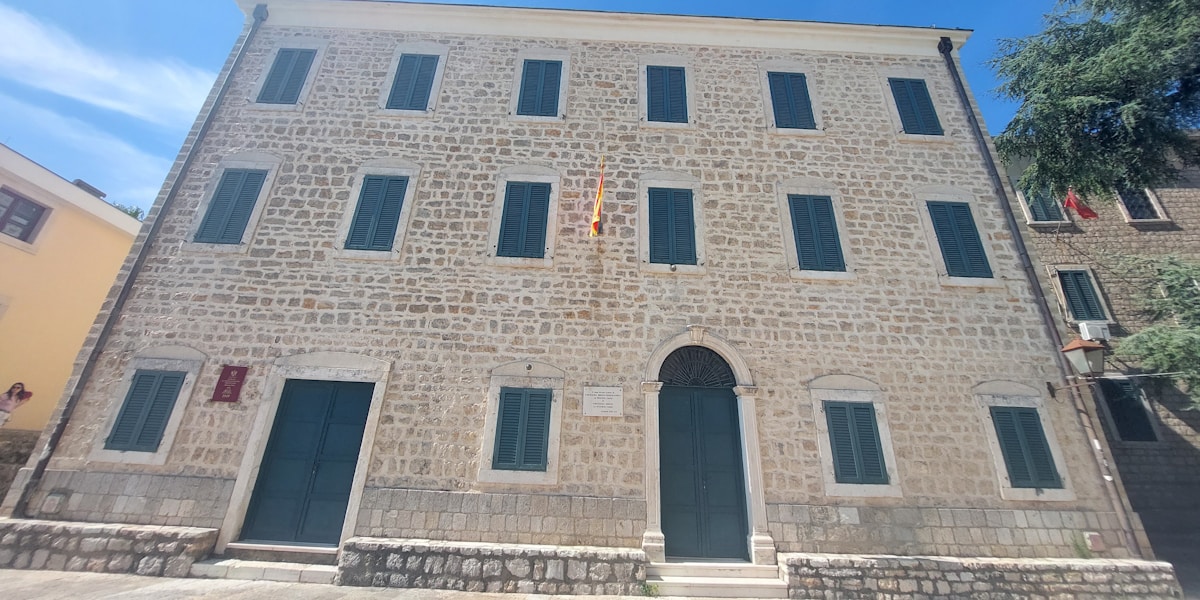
<point>959,240</point>
<point>523,223</point>
<point>917,114</point>
<point>866,438</point>
<point>666,90</point>
<point>1081,297</point>
<point>854,441</point>
<point>378,213</point>
<point>539,88</point>
<point>1128,414</point>
<point>231,206</point>
<point>790,101</point>
<point>1042,206</point>
<point>413,82</point>
<point>1137,203</point>
<point>1023,444</point>
<point>841,442</point>
<point>287,75</point>
<point>815,230</point>
<point>144,414</point>
<point>672,226</point>
<point>522,429</point>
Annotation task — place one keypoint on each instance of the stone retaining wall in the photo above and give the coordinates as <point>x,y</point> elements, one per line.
<point>15,447</point>
<point>854,577</point>
<point>476,567</point>
<point>103,548</point>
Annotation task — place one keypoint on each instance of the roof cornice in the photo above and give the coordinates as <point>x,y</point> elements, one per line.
<point>44,181</point>
<point>607,26</point>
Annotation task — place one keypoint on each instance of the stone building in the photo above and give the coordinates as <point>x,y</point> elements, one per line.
<point>804,328</point>
<point>1154,436</point>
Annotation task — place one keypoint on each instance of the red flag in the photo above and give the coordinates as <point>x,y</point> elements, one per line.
<point>1072,201</point>
<point>595,230</point>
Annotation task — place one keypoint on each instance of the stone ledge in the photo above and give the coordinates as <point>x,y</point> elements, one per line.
<point>854,577</point>
<point>103,547</point>
<point>481,567</point>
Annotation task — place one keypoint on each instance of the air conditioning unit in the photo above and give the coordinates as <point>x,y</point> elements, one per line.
<point>1094,330</point>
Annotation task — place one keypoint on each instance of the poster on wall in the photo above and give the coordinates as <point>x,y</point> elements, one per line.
<point>603,401</point>
<point>229,385</point>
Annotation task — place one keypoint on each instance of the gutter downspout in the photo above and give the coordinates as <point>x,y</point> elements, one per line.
<point>20,509</point>
<point>1113,493</point>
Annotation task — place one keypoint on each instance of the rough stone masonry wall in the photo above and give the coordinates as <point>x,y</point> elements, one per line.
<point>491,567</point>
<point>15,447</point>
<point>824,577</point>
<point>103,548</point>
<point>444,316</point>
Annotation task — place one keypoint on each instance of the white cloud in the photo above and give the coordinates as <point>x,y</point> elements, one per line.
<point>127,174</point>
<point>165,92</point>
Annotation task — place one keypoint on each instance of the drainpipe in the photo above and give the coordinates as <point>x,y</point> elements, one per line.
<point>1112,492</point>
<point>20,509</point>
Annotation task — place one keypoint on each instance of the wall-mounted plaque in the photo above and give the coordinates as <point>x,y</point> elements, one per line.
<point>603,402</point>
<point>229,385</point>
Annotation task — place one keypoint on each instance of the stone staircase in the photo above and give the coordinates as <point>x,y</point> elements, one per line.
<point>263,562</point>
<point>716,580</point>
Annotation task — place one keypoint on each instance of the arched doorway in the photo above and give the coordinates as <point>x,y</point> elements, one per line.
<point>703,491</point>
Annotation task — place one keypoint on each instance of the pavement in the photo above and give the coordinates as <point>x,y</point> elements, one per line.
<point>48,585</point>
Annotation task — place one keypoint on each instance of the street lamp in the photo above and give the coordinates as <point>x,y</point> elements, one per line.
<point>1086,356</point>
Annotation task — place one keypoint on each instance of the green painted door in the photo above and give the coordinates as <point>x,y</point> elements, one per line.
<point>703,491</point>
<point>304,482</point>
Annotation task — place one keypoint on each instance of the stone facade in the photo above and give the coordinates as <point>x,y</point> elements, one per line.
<point>15,447</point>
<point>103,548</point>
<point>847,577</point>
<point>475,567</point>
<point>437,321</point>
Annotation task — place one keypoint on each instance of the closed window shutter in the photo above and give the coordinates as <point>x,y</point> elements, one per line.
<point>790,101</point>
<point>522,429</point>
<point>1043,207</point>
<point>854,441</point>
<point>144,414</point>
<point>231,206</point>
<point>683,228</point>
<point>962,249</point>
<point>539,88</point>
<point>413,82</point>
<point>378,213</point>
<point>815,230</point>
<point>917,114</point>
<point>523,223</point>
<point>1023,444</point>
<point>841,442</point>
<point>666,90</point>
<point>866,438</point>
<point>660,222</point>
<point>1128,414</point>
<point>1137,203</point>
<point>286,77</point>
<point>1081,297</point>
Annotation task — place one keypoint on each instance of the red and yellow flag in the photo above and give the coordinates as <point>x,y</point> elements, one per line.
<point>595,231</point>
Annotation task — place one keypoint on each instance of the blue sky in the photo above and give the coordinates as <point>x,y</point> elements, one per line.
<point>105,90</point>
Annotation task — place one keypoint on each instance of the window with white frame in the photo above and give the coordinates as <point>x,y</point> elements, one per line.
<point>523,424</point>
<point>20,217</point>
<point>1140,204</point>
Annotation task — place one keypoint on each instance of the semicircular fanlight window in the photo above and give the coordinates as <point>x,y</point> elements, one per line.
<point>696,366</point>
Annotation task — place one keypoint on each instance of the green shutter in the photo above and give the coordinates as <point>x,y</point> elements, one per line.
<point>1126,410</point>
<point>790,101</point>
<point>524,220</point>
<point>1024,447</point>
<point>231,206</point>
<point>959,240</point>
<point>666,90</point>
<point>413,82</point>
<point>1081,297</point>
<point>672,226</point>
<point>378,213</point>
<point>522,429</point>
<point>1042,206</point>
<point>287,75</point>
<point>854,442</point>
<point>815,231</point>
<point>143,417</point>
<point>917,114</point>
<point>539,88</point>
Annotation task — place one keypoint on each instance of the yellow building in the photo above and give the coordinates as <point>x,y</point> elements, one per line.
<point>60,249</point>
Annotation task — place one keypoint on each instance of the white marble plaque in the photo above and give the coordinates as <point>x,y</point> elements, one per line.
<point>602,402</point>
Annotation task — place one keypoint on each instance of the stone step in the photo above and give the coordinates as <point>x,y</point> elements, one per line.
<point>718,587</point>
<point>232,568</point>
<point>710,569</point>
<point>313,555</point>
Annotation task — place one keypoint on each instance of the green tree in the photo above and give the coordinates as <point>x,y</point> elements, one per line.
<point>1172,343</point>
<point>1108,94</point>
<point>130,210</point>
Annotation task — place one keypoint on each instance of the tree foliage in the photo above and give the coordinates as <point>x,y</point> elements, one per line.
<point>1172,343</point>
<point>130,210</point>
<point>1108,93</point>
